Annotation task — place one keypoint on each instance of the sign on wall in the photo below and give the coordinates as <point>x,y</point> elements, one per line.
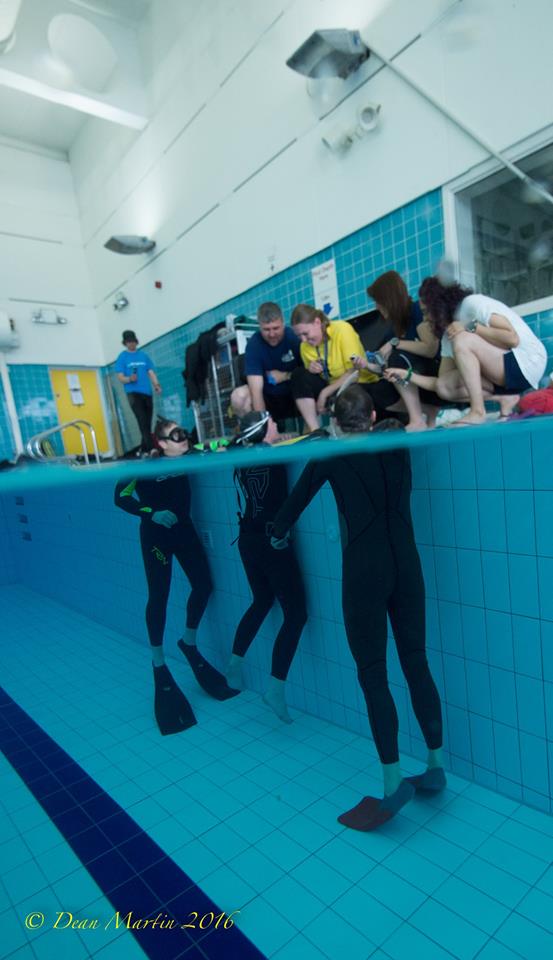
<point>325,289</point>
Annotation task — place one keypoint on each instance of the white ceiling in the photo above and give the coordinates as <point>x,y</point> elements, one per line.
<point>38,122</point>
<point>131,10</point>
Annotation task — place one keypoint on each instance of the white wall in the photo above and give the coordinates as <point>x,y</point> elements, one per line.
<point>42,260</point>
<point>481,58</point>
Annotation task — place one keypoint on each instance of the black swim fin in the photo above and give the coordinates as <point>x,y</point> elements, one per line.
<point>172,709</point>
<point>210,680</point>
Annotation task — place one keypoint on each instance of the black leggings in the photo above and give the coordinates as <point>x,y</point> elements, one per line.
<point>159,546</point>
<point>378,580</point>
<point>142,405</point>
<point>272,574</point>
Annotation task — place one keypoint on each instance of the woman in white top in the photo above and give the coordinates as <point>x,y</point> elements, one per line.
<point>486,349</point>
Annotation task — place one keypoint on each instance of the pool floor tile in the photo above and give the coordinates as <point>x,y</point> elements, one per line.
<point>463,875</point>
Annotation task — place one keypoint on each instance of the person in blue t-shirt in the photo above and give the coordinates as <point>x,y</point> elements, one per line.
<point>136,372</point>
<point>271,355</point>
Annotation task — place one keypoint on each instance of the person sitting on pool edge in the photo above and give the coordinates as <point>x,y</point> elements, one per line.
<point>487,350</point>
<point>272,353</point>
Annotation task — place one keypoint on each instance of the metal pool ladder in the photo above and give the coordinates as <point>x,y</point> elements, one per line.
<point>35,450</point>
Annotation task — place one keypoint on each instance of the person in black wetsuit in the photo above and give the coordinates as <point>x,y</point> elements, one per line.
<point>381,575</point>
<point>167,531</point>
<point>271,575</point>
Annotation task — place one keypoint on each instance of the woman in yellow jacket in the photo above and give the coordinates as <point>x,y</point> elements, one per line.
<point>327,349</point>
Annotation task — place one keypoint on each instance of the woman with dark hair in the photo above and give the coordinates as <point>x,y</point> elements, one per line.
<point>327,348</point>
<point>381,575</point>
<point>167,531</point>
<point>487,350</point>
<point>413,346</point>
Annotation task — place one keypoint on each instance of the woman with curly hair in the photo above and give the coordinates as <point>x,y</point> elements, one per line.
<point>487,350</point>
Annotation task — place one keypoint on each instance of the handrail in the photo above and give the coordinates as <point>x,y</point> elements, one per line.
<point>34,449</point>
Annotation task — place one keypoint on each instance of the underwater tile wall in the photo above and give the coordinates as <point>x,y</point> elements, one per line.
<point>484,527</point>
<point>8,566</point>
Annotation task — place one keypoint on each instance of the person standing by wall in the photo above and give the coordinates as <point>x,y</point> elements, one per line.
<point>272,575</point>
<point>135,371</point>
<point>381,576</point>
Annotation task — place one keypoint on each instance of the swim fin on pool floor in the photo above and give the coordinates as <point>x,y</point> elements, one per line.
<point>210,680</point>
<point>371,813</point>
<point>172,710</point>
<point>432,780</point>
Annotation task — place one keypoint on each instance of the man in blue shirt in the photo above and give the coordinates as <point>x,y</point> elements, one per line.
<point>271,355</point>
<point>136,372</point>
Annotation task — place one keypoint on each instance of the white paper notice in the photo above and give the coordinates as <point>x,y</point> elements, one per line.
<point>325,289</point>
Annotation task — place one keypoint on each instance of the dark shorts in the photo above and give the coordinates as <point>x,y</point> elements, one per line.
<point>515,381</point>
<point>306,384</point>
<point>281,406</point>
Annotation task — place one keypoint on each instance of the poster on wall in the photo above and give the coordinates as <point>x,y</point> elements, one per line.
<point>325,289</point>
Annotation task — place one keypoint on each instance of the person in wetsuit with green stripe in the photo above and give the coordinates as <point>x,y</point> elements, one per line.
<point>166,531</point>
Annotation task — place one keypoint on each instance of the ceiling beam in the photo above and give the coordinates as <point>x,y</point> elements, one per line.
<point>75,101</point>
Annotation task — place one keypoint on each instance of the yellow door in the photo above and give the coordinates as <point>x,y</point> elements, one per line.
<point>78,397</point>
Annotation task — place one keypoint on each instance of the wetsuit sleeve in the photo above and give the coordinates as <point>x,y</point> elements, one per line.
<point>310,482</point>
<point>125,498</point>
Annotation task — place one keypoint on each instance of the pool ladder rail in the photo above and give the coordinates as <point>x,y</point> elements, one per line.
<point>43,451</point>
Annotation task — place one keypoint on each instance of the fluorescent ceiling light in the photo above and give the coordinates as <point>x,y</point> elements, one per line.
<point>130,244</point>
<point>75,101</point>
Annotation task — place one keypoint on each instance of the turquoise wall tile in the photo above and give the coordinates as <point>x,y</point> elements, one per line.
<point>524,585</point>
<point>533,758</point>
<point>489,464</point>
<point>527,646</point>
<point>451,628</point>
<point>507,752</point>
<point>447,581</point>
<point>495,573</point>
<point>482,739</point>
<point>500,639</point>
<point>545,579</point>
<point>478,688</point>
<point>503,696</point>
<point>517,462</point>
<point>542,460</point>
<point>443,525</point>
<point>519,511</point>
<point>491,520</point>
<point>463,467</point>
<point>543,505</point>
<point>475,641</point>
<point>465,506</point>
<point>530,705</point>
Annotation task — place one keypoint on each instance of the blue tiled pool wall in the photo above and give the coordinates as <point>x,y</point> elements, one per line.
<point>484,525</point>
<point>8,567</point>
